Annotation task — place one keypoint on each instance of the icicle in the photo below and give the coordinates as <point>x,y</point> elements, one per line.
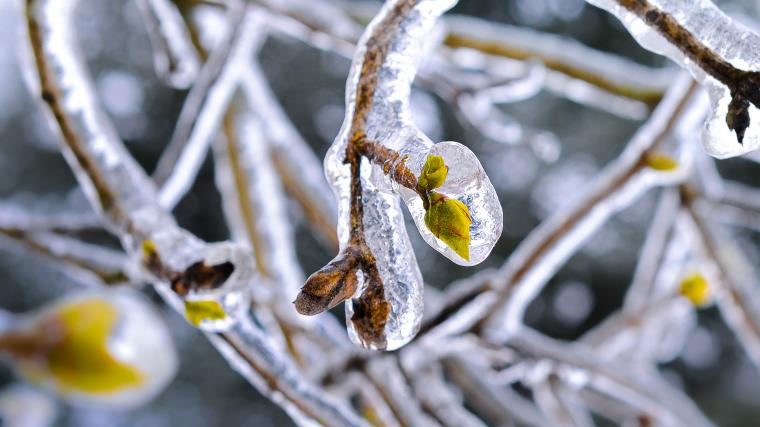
<point>736,50</point>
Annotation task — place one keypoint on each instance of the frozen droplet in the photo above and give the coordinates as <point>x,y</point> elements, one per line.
<point>113,349</point>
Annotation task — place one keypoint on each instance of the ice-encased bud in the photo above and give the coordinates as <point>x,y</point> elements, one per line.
<point>218,308</point>
<point>108,347</point>
<point>467,182</point>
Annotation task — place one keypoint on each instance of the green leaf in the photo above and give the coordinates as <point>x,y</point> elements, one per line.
<point>449,220</point>
<point>433,173</point>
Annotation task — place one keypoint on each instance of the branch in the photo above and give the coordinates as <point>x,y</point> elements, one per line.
<point>503,296</point>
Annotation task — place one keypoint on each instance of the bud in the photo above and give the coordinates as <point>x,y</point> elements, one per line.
<point>198,312</point>
<point>449,220</point>
<point>331,285</point>
<point>433,174</point>
<point>696,289</point>
<point>660,162</point>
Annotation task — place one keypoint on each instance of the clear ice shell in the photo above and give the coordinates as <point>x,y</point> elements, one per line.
<point>723,35</point>
<point>139,339</point>
<point>467,182</point>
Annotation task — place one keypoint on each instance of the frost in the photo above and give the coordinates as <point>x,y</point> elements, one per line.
<point>730,40</point>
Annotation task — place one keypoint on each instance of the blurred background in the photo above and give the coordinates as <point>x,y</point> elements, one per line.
<point>712,368</point>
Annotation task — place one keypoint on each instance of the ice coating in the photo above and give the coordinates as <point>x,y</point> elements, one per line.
<point>617,75</point>
<point>182,251</point>
<point>398,268</point>
<point>729,39</point>
<point>174,57</point>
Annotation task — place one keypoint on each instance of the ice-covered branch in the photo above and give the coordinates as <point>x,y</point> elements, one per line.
<point>626,179</point>
<point>537,258</point>
<point>734,273</point>
<point>575,71</point>
<point>452,202</point>
<point>723,60</point>
<point>643,390</point>
<point>297,166</point>
<point>84,262</point>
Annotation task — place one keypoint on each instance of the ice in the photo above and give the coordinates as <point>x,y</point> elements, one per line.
<point>727,38</point>
<point>180,251</point>
<point>23,406</point>
<point>202,114</point>
<point>398,268</point>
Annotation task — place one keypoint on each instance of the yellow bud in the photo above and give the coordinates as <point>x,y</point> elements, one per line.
<point>149,248</point>
<point>696,289</point>
<point>660,162</point>
<point>449,220</point>
<point>433,173</point>
<point>80,360</point>
<point>198,311</point>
